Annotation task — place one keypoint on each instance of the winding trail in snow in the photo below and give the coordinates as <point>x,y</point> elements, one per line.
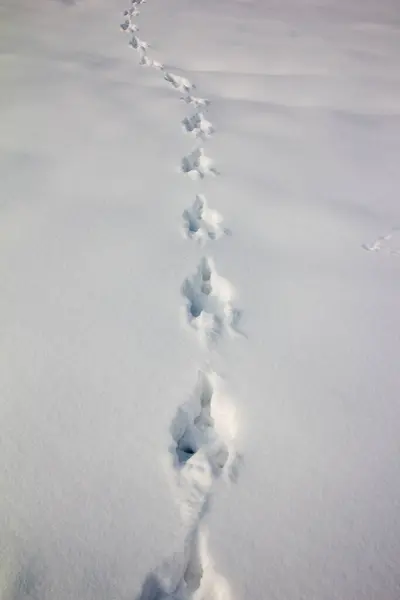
<point>204,428</point>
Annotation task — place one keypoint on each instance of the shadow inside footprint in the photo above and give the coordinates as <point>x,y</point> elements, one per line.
<point>192,222</point>
<point>198,125</point>
<point>198,289</point>
<point>152,589</point>
<point>184,452</point>
<point>195,300</point>
<point>183,449</point>
<point>193,428</point>
<point>197,164</point>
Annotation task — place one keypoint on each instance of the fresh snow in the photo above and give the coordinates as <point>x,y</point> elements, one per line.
<point>200,259</point>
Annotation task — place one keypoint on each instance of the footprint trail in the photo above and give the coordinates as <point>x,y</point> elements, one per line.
<point>203,433</point>
<point>204,428</point>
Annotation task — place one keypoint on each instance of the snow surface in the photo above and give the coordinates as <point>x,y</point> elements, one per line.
<point>140,460</point>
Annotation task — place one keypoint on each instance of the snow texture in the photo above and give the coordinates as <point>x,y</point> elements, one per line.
<point>148,451</point>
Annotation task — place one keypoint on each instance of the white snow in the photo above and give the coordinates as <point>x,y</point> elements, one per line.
<point>137,462</point>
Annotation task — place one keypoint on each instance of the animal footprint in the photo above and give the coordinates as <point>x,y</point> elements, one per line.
<point>179,83</point>
<point>194,483</point>
<point>207,421</point>
<point>201,223</point>
<point>191,577</point>
<point>198,165</point>
<point>209,300</point>
<point>200,580</point>
<point>131,12</point>
<point>146,61</point>
<point>129,26</point>
<point>157,65</point>
<point>389,243</point>
<point>198,126</point>
<point>194,426</point>
<point>196,102</point>
<point>203,431</point>
<point>138,44</point>
<point>204,428</point>
<point>194,571</point>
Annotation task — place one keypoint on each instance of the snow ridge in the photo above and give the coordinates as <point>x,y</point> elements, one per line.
<point>204,427</point>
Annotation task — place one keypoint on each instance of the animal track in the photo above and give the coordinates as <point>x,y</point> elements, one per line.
<point>389,243</point>
<point>195,101</point>
<point>204,428</point>
<point>198,125</point>
<point>206,422</point>
<point>138,44</point>
<point>193,578</point>
<point>203,433</point>
<point>128,25</point>
<point>157,65</point>
<point>201,223</point>
<point>131,12</point>
<point>198,165</point>
<point>179,83</point>
<point>209,302</point>
<point>146,61</point>
<point>200,580</point>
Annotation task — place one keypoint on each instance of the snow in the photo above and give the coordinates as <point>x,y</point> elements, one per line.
<point>140,459</point>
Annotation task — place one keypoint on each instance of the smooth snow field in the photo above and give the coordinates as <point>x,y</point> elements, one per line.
<point>200,300</point>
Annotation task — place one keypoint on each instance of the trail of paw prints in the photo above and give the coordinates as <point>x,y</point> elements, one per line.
<point>204,428</point>
<point>196,164</point>
<point>388,244</point>
<point>136,43</point>
<point>140,45</point>
<point>209,303</point>
<point>130,14</point>
<point>201,223</point>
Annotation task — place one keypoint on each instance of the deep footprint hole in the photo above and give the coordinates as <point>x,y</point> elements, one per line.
<point>184,452</point>
<point>193,226</point>
<point>196,308</point>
